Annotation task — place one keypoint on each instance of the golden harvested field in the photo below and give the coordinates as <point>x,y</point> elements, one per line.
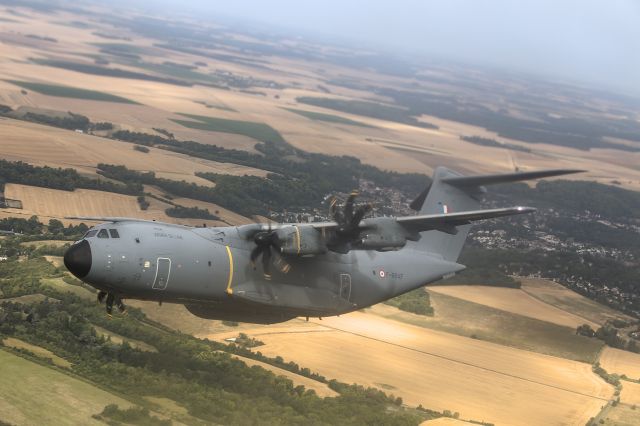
<point>388,145</point>
<point>224,214</point>
<point>621,362</point>
<point>480,380</point>
<point>512,300</point>
<point>44,145</point>
<point>321,389</point>
<point>52,203</point>
<point>622,415</point>
<point>630,393</point>
<point>559,296</point>
<point>445,421</point>
<point>469,319</point>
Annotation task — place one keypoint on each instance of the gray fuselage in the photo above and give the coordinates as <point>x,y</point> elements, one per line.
<point>209,270</point>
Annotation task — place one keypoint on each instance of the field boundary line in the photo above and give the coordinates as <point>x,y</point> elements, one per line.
<point>468,364</point>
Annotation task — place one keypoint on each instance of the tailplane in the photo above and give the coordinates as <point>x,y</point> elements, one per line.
<point>451,192</point>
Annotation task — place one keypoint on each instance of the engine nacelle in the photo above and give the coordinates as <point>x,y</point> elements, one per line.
<point>383,234</point>
<point>302,240</point>
<point>381,242</point>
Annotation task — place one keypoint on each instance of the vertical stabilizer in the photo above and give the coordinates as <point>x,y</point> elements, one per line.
<point>446,198</point>
<point>451,192</point>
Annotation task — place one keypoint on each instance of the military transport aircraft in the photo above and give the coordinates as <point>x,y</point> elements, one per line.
<point>268,273</point>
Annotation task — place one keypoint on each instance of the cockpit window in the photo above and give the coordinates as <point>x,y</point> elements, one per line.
<point>114,233</point>
<point>91,233</point>
<point>103,234</point>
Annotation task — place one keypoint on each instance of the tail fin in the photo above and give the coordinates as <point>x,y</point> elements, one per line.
<point>452,192</point>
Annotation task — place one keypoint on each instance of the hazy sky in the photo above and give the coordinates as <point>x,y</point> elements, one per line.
<point>582,40</point>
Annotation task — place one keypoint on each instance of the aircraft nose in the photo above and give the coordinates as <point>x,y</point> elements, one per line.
<point>77,259</point>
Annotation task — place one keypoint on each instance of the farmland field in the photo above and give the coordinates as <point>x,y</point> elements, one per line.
<point>621,362</point>
<point>480,380</point>
<point>36,350</point>
<point>556,295</point>
<point>498,355</point>
<point>512,300</point>
<point>35,394</point>
<point>469,319</point>
<point>321,389</point>
<point>43,145</point>
<point>630,393</point>
<point>70,92</point>
<point>58,204</point>
<point>258,131</point>
<point>330,118</point>
<point>60,285</point>
<point>50,203</point>
<point>622,415</point>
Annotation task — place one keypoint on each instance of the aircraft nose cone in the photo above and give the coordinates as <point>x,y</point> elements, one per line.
<point>77,259</point>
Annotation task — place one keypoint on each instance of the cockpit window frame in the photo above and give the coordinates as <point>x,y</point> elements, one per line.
<point>103,233</point>
<point>90,233</point>
<point>113,233</point>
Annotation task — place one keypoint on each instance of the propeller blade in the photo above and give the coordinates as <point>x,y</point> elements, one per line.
<point>348,207</point>
<point>254,255</point>
<point>266,263</point>
<point>360,212</point>
<point>333,204</point>
<point>282,264</point>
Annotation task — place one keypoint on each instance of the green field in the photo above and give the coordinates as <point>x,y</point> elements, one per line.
<point>31,393</point>
<point>259,131</point>
<point>70,92</point>
<point>457,316</point>
<point>36,350</point>
<point>330,118</point>
<point>124,49</point>
<point>59,285</point>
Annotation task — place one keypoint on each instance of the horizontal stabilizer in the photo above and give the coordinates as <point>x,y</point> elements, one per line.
<point>475,181</point>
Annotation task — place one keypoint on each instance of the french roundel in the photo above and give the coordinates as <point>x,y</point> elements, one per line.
<point>381,273</point>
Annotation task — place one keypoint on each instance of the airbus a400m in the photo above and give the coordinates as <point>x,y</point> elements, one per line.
<point>267,273</point>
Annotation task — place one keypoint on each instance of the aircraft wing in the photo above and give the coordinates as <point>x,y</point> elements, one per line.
<point>109,219</point>
<point>448,221</point>
<point>444,222</point>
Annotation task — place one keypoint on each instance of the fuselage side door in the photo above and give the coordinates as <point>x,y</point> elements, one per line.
<point>163,273</point>
<point>345,286</point>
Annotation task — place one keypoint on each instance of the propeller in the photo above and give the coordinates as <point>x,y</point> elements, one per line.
<point>110,299</point>
<point>265,242</point>
<point>348,219</point>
